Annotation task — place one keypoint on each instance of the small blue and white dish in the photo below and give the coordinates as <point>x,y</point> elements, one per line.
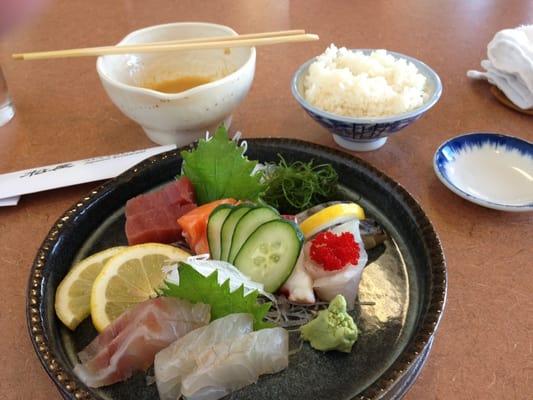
<point>367,134</point>
<point>489,169</point>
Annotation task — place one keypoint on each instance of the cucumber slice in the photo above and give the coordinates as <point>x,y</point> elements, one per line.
<point>247,224</point>
<point>228,227</point>
<point>270,253</point>
<point>214,227</point>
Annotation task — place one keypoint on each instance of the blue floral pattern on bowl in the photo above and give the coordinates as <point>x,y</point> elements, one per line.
<point>367,133</point>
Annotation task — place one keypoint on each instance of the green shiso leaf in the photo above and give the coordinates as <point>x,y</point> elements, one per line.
<point>197,288</point>
<point>218,169</point>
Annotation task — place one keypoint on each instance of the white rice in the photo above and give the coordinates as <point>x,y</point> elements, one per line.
<point>352,84</point>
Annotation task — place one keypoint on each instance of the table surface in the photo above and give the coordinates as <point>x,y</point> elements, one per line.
<point>484,348</point>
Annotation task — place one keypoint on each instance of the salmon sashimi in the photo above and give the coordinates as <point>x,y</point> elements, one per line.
<point>194,225</point>
<point>130,343</point>
<point>152,217</point>
<point>176,361</point>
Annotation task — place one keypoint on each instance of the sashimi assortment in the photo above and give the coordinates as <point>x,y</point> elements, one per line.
<point>210,329</point>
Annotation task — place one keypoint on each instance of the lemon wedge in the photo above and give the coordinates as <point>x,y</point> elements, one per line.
<point>130,277</point>
<point>73,295</point>
<point>332,215</point>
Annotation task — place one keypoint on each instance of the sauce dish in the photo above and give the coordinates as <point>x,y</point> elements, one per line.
<point>492,170</point>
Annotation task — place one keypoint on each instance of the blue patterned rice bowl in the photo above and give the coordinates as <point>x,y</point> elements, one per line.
<point>365,134</point>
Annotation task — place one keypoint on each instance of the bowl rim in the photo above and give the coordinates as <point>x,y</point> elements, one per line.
<point>172,96</point>
<point>422,68</point>
<point>446,181</point>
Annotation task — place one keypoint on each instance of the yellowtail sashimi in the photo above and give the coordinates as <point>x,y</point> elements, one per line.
<point>131,342</point>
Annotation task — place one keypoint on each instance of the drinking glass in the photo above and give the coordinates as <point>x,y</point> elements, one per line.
<point>7,109</point>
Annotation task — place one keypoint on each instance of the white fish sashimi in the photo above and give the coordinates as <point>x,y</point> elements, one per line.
<point>299,286</point>
<point>177,360</point>
<point>352,227</point>
<point>226,271</point>
<point>328,284</point>
<point>231,365</point>
<point>345,283</point>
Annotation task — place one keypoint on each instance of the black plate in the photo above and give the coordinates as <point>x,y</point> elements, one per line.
<point>406,280</point>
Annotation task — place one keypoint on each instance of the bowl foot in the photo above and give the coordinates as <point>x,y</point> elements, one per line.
<point>183,137</point>
<point>367,145</point>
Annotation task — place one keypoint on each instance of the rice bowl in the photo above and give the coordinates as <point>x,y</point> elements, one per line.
<point>355,84</point>
<point>370,132</point>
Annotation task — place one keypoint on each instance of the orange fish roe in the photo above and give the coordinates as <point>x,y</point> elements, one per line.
<point>333,252</point>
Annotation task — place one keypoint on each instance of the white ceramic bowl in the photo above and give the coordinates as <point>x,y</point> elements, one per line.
<point>178,118</point>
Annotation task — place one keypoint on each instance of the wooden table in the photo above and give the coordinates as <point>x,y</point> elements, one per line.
<point>484,347</point>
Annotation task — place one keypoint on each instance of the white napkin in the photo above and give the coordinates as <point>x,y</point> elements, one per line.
<point>9,201</point>
<point>510,65</point>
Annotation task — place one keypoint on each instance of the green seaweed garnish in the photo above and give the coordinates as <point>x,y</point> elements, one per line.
<point>298,186</point>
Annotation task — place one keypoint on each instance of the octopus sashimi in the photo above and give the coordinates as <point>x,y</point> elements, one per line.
<point>298,288</point>
<point>233,364</point>
<point>176,361</point>
<point>130,343</point>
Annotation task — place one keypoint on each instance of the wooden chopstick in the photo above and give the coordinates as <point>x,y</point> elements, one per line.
<point>29,56</point>
<point>227,38</point>
<point>254,39</point>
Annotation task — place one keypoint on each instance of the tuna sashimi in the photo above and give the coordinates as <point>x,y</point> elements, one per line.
<point>131,342</point>
<point>179,192</point>
<point>156,225</point>
<point>233,364</point>
<point>152,217</point>
<point>194,225</point>
<point>176,361</point>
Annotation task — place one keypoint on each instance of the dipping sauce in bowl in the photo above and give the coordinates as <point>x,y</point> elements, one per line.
<point>177,96</point>
<point>178,85</point>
